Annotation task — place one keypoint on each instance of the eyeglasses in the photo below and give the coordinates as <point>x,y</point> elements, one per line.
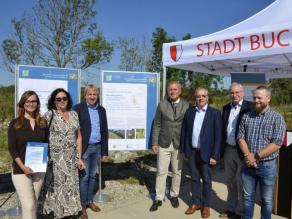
<point>59,99</point>
<point>203,96</point>
<point>28,102</point>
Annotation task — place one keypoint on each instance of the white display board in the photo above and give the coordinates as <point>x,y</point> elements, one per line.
<point>43,80</point>
<point>130,100</point>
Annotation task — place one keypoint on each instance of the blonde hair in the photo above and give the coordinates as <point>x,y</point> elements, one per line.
<point>90,86</point>
<point>263,87</point>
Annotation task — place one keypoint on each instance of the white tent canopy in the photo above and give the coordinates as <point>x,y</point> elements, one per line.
<point>259,44</point>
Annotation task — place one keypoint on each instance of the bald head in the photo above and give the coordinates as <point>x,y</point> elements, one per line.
<point>236,93</point>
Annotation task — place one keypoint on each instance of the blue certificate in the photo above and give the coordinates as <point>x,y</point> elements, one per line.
<point>36,156</point>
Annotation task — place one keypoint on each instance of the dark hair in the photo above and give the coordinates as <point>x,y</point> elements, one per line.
<point>21,111</point>
<point>51,102</point>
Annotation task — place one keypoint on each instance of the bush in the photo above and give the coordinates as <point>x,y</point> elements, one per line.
<point>6,103</point>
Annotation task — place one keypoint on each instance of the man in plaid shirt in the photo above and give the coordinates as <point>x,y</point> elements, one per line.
<point>260,136</point>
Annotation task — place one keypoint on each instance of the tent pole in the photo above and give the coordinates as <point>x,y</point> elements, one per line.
<point>164,82</point>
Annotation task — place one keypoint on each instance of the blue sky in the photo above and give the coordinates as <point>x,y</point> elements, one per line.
<point>138,18</point>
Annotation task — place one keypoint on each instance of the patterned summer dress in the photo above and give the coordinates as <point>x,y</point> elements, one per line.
<point>60,195</point>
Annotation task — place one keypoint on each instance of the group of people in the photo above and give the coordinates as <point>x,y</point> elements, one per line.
<point>247,137</point>
<point>77,139</point>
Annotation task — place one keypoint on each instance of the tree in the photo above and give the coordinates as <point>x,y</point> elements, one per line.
<point>281,90</point>
<point>135,53</point>
<point>158,38</point>
<point>58,33</point>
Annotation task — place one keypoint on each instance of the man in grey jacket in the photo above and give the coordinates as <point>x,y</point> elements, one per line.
<point>165,143</point>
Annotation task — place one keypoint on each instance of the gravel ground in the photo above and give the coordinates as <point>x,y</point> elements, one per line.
<point>121,194</point>
<point>125,183</point>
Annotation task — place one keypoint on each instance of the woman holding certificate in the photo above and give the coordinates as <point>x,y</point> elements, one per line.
<point>60,195</point>
<point>28,128</point>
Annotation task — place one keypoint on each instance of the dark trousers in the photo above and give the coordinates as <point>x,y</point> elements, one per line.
<point>201,194</point>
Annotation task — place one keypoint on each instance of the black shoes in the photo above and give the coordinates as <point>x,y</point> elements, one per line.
<point>174,202</point>
<point>155,205</point>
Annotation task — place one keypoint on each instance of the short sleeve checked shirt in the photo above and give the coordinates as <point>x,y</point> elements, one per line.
<point>259,130</point>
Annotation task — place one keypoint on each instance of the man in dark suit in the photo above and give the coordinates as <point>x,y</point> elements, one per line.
<point>233,157</point>
<point>94,130</point>
<point>200,145</point>
<point>165,142</point>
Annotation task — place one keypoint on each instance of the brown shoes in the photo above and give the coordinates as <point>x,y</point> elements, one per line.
<point>192,209</point>
<point>83,214</point>
<point>93,207</point>
<point>205,212</point>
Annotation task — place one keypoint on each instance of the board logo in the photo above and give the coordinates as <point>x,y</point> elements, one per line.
<point>73,76</point>
<point>152,80</point>
<point>108,77</point>
<point>25,73</point>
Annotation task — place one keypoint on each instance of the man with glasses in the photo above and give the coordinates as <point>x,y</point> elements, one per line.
<point>94,130</point>
<point>200,145</point>
<point>233,157</point>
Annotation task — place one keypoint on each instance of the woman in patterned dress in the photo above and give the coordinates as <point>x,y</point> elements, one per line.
<point>60,195</point>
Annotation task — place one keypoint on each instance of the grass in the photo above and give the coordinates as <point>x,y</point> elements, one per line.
<point>130,181</point>
<point>5,159</point>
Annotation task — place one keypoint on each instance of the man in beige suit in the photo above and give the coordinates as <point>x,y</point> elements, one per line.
<point>165,143</point>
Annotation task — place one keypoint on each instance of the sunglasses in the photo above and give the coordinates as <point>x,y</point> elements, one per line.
<point>59,99</point>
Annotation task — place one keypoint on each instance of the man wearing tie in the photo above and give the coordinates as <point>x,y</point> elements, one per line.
<point>165,140</point>
<point>233,157</point>
<point>200,145</point>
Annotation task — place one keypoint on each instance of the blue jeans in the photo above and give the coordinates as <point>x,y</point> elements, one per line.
<point>88,181</point>
<point>265,175</point>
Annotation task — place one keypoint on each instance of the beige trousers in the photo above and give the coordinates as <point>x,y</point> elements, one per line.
<point>166,156</point>
<point>28,189</point>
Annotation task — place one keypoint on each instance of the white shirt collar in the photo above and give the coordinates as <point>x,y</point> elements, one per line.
<point>177,101</point>
<point>204,109</point>
<point>238,105</point>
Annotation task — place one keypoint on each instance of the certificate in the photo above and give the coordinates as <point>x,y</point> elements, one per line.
<point>36,156</point>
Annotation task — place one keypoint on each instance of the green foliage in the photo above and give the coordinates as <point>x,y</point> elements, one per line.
<point>96,50</point>
<point>204,80</point>
<point>281,91</point>
<point>57,33</point>
<point>6,103</point>
<point>12,51</point>
<point>286,112</point>
<point>135,53</point>
<point>159,36</point>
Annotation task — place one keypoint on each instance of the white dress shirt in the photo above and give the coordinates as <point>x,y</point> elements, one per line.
<point>232,121</point>
<point>198,122</point>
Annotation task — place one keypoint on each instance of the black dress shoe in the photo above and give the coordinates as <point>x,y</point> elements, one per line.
<point>155,205</point>
<point>174,202</point>
<point>227,214</point>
